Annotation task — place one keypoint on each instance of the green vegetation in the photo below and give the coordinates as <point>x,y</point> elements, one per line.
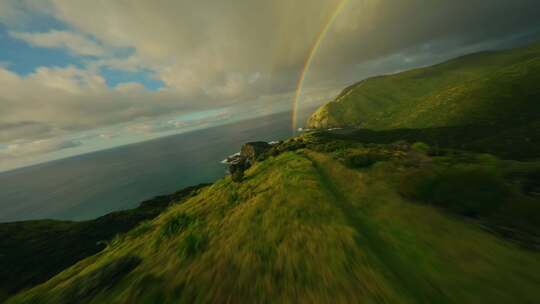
<point>364,158</point>
<point>467,190</point>
<point>304,226</point>
<point>511,143</point>
<point>175,225</point>
<point>34,251</point>
<point>490,88</point>
<point>439,204</point>
<point>420,147</point>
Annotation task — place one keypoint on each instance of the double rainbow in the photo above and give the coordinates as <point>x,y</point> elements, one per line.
<point>312,52</point>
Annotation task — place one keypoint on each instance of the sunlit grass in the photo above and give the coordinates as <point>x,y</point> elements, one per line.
<point>481,89</point>
<point>302,228</point>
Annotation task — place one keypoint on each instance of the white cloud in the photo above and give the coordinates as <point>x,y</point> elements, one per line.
<point>70,79</point>
<point>130,87</point>
<point>56,101</point>
<point>39,147</point>
<point>107,136</point>
<point>215,54</point>
<point>27,152</point>
<point>19,12</point>
<point>204,51</point>
<point>73,42</point>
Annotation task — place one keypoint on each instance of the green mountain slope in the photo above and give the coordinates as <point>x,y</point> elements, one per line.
<point>31,252</point>
<point>489,88</point>
<point>330,221</point>
<point>397,214</point>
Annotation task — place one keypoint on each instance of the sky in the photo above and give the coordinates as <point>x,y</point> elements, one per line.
<point>79,76</point>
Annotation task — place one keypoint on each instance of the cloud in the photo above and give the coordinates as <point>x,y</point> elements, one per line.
<point>74,43</point>
<point>18,13</point>
<point>184,122</point>
<point>215,44</point>
<point>27,152</point>
<point>107,135</point>
<point>371,30</point>
<point>23,129</point>
<point>59,101</point>
<point>242,37</point>
<point>39,147</point>
<point>239,54</point>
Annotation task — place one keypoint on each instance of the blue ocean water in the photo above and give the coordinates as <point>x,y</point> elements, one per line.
<point>91,185</point>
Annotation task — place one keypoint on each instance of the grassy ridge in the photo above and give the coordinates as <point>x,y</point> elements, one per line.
<point>302,227</point>
<point>490,88</point>
<point>31,252</point>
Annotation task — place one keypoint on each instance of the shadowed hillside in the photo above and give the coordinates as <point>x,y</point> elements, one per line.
<point>34,251</point>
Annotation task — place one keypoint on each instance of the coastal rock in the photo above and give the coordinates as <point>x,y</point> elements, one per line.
<point>251,151</point>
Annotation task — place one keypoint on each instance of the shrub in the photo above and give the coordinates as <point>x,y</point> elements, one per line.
<point>194,243</point>
<point>363,159</point>
<point>237,176</point>
<point>471,190</point>
<point>420,147</point>
<point>117,239</point>
<point>531,184</point>
<point>331,146</point>
<point>291,145</point>
<point>141,229</point>
<point>176,225</point>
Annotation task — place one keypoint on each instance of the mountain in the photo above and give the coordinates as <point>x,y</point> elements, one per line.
<point>439,202</point>
<point>489,88</point>
<point>320,219</point>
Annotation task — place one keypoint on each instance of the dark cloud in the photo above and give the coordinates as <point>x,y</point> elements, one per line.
<point>368,32</point>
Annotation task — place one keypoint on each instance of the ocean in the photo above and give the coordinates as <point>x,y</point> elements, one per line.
<point>90,185</point>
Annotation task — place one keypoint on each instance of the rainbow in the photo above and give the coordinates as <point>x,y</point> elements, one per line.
<point>309,60</point>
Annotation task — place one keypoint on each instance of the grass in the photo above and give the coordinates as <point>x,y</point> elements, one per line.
<point>304,228</point>
<point>467,190</point>
<point>397,214</point>
<point>481,89</point>
<point>427,253</point>
<point>510,143</point>
<point>32,252</point>
<point>175,225</point>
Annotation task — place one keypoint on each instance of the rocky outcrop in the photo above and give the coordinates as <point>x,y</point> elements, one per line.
<point>249,153</point>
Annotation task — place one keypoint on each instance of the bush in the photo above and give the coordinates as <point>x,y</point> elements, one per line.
<point>420,147</point>
<point>331,146</point>
<point>141,229</point>
<point>194,243</point>
<point>175,225</point>
<point>291,145</point>
<point>531,184</point>
<point>471,191</point>
<point>363,159</point>
<point>237,176</point>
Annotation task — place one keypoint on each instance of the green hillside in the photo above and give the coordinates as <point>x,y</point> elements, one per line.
<point>322,220</point>
<point>490,88</point>
<point>435,199</point>
<point>31,252</point>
